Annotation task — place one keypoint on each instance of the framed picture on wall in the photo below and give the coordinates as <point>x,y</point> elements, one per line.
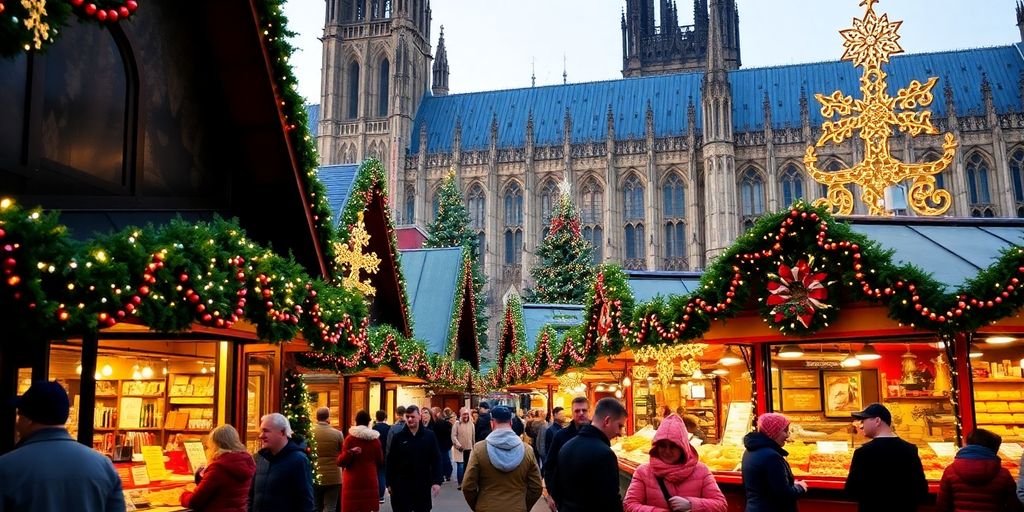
<point>844,393</point>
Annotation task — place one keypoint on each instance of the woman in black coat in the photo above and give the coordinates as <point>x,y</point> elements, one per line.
<point>767,477</point>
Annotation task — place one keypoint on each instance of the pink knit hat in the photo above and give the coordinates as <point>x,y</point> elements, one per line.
<point>772,424</point>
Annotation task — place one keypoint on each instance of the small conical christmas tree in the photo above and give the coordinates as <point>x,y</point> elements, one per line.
<point>566,266</point>
<point>451,229</point>
<point>295,407</point>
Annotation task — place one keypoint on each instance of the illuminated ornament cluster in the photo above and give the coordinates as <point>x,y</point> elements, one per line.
<point>797,292</point>
<point>871,42</point>
<point>36,22</point>
<point>352,260</point>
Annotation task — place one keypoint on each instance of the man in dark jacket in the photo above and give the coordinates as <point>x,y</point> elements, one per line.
<point>588,470</point>
<point>413,466</point>
<point>396,428</point>
<point>483,421</point>
<point>382,428</point>
<point>557,418</point>
<point>517,424</point>
<point>580,418</point>
<point>885,473</point>
<point>284,479</point>
<point>442,427</point>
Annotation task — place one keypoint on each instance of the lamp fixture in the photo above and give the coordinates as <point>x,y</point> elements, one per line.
<point>730,357</point>
<point>107,370</point>
<point>851,361</point>
<point>78,367</point>
<point>618,393</point>
<point>867,353</point>
<point>975,352</point>
<point>626,381</point>
<point>599,388</point>
<point>147,371</point>
<point>790,351</point>
<point>720,371</point>
<point>1000,340</point>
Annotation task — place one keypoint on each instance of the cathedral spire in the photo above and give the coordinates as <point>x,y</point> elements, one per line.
<point>1020,19</point>
<point>440,87</point>
<point>716,52</point>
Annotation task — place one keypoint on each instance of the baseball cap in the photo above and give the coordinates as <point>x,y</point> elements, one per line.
<point>501,414</point>
<point>485,405</point>
<point>45,402</point>
<point>875,410</point>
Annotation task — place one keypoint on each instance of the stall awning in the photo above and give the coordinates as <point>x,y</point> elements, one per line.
<point>560,316</point>
<point>647,285</point>
<point>951,252</point>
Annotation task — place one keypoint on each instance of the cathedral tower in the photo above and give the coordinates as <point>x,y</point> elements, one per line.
<point>440,83</point>
<point>666,47</point>
<point>719,150</point>
<point>376,69</point>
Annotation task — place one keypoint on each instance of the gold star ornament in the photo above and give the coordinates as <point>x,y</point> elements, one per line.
<point>352,259</point>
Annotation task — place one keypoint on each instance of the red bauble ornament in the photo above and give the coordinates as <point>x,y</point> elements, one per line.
<point>123,11</point>
<point>131,5</point>
<point>183,278</point>
<point>207,318</point>
<point>90,9</point>
<point>143,290</point>
<point>101,15</point>
<point>112,15</point>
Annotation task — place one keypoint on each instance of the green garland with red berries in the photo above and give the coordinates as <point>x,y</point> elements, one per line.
<point>35,25</point>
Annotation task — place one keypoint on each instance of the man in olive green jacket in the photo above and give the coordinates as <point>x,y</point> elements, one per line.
<point>502,475</point>
<point>328,446</point>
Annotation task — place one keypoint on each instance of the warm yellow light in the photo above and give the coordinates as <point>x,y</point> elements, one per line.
<point>851,361</point>
<point>107,370</point>
<point>101,256</point>
<point>5,203</point>
<point>1000,340</point>
<point>721,372</point>
<point>790,352</point>
<point>626,381</point>
<point>97,376</point>
<point>730,357</point>
<point>618,394</point>
<point>78,369</point>
<point>147,372</point>
<point>867,353</point>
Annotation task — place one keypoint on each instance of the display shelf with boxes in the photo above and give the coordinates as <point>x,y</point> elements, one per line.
<point>191,401</point>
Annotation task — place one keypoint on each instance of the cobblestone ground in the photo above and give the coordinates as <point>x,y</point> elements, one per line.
<point>451,500</point>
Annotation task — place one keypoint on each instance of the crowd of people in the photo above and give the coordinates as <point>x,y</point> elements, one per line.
<point>501,463</point>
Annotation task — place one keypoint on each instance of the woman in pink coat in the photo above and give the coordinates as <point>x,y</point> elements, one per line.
<point>674,480</point>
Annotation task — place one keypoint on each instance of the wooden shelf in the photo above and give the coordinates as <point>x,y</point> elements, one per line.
<point>1013,380</point>
<point>188,430</point>
<point>1002,423</point>
<point>910,398</point>
<point>142,396</point>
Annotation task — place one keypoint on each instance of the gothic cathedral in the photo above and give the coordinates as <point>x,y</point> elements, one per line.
<point>668,164</point>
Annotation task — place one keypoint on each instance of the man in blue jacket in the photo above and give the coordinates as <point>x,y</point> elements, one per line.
<point>48,471</point>
<point>284,478</point>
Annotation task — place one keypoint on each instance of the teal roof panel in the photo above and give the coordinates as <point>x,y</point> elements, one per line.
<point>560,316</point>
<point>432,280</point>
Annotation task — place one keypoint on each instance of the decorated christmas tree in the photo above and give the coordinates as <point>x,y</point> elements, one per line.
<point>295,407</point>
<point>565,269</point>
<point>451,229</point>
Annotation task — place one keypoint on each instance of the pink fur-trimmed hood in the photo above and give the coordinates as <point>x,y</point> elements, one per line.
<point>364,432</point>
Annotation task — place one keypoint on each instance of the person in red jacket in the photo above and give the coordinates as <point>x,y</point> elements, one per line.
<point>976,481</point>
<point>360,458</point>
<point>674,479</point>
<point>223,485</point>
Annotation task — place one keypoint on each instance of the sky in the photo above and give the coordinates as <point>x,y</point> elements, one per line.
<point>497,44</point>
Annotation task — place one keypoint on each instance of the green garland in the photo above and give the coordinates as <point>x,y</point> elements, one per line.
<point>295,405</point>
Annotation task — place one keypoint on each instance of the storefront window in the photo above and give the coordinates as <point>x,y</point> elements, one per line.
<point>260,373</point>
<point>997,370</point>
<point>818,385</point>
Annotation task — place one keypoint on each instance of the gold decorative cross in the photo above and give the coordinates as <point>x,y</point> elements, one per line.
<point>871,41</point>
<point>352,260</point>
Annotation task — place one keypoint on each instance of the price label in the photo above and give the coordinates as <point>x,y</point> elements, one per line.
<point>737,423</point>
<point>833,447</point>
<point>943,449</point>
<point>195,453</point>
<point>140,476</point>
<point>153,456</point>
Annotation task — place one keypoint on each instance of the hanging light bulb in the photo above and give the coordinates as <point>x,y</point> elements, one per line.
<point>147,371</point>
<point>212,368</point>
<point>618,393</point>
<point>78,368</point>
<point>136,375</point>
<point>1000,340</point>
<point>203,370</point>
<point>98,376</point>
<point>867,353</point>
<point>790,351</point>
<point>730,357</point>
<point>107,370</point>
<point>975,352</point>
<point>851,361</point>
<point>626,381</point>
<point>720,371</point>
<point>164,370</point>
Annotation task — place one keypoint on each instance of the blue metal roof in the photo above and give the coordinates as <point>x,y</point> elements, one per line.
<point>646,285</point>
<point>313,119</point>
<point>431,280</point>
<point>338,179</point>
<point>559,316</point>
<point>951,253</point>
<point>670,96</point>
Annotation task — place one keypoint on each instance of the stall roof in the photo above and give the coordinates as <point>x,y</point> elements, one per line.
<point>559,316</point>
<point>432,280</point>
<point>338,180</point>
<point>645,285</point>
<point>953,251</point>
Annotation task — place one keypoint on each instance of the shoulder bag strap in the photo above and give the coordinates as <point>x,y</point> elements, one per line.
<point>664,489</point>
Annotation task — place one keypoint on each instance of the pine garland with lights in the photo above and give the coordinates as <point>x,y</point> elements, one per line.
<point>566,266</point>
<point>35,25</point>
<point>451,228</point>
<point>295,406</point>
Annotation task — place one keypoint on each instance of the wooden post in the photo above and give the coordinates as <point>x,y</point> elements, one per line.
<point>87,391</point>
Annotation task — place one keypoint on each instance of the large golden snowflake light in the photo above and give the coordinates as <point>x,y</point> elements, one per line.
<point>871,42</point>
